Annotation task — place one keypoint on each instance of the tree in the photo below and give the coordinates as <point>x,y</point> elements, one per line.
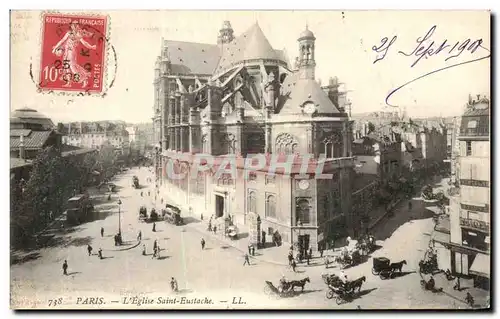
<point>371,127</point>
<point>44,191</point>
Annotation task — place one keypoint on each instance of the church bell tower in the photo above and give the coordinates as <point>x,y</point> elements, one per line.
<point>306,62</point>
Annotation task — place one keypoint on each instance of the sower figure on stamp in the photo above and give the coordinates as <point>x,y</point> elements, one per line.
<point>67,47</point>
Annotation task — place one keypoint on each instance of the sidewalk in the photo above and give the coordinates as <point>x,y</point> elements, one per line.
<point>272,255</point>
<point>480,296</point>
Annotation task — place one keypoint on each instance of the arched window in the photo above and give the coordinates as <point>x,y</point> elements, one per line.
<point>286,144</point>
<point>271,206</point>
<point>303,211</point>
<point>332,146</point>
<point>252,202</point>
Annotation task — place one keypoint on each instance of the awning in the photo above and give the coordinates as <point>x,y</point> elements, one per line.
<point>481,266</point>
<point>440,237</point>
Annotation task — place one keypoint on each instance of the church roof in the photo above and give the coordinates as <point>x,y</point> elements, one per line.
<point>296,91</point>
<point>192,57</point>
<point>250,45</point>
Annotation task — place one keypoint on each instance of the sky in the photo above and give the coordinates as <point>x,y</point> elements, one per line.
<point>344,48</point>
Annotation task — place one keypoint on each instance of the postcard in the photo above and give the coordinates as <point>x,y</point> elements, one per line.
<point>250,160</point>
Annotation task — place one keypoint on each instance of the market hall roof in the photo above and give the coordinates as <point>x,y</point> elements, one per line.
<point>32,140</point>
<point>30,116</point>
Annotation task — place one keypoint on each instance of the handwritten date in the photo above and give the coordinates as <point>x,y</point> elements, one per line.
<point>426,48</point>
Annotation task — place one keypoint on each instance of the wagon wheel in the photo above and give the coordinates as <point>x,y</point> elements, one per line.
<point>338,300</point>
<point>330,294</point>
<point>375,272</point>
<point>384,275</point>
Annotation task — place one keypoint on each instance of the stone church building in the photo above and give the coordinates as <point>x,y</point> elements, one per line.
<point>241,97</point>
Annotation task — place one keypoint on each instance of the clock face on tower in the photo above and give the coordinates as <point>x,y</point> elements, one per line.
<point>309,108</point>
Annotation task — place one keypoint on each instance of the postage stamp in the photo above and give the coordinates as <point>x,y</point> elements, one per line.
<point>73,53</point>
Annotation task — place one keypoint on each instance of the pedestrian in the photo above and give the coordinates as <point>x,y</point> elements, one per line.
<point>321,251</point>
<point>89,249</point>
<point>173,285</point>
<point>154,227</point>
<point>308,258</point>
<point>161,201</point>
<point>247,260</point>
<point>142,193</point>
<point>201,215</point>
<point>327,262</point>
<point>144,250</point>
<point>102,231</point>
<point>310,252</point>
<point>139,236</point>
<point>155,250</point>
<point>202,243</point>
<point>253,250</point>
<point>290,258</point>
<point>215,229</point>
<point>99,253</point>
<point>294,264</point>
<point>210,225</point>
<point>65,267</point>
<point>250,249</point>
<point>155,244</point>
<point>409,205</point>
<point>457,284</point>
<point>158,250</point>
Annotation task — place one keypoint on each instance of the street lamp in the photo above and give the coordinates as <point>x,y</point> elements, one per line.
<point>119,218</point>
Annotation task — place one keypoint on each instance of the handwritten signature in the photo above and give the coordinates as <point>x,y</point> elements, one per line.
<point>426,48</point>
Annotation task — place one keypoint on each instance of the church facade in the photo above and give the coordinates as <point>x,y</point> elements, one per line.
<point>240,98</point>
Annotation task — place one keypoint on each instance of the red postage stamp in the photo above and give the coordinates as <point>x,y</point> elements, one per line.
<point>73,53</point>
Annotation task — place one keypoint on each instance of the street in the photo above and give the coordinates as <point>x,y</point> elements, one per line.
<point>217,272</point>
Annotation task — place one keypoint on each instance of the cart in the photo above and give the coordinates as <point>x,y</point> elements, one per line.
<point>382,268</point>
<point>271,290</point>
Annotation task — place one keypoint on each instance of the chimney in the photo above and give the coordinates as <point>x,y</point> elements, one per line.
<point>22,154</point>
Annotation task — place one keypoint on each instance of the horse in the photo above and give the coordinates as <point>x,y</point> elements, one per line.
<point>357,283</point>
<point>398,266</point>
<point>299,283</point>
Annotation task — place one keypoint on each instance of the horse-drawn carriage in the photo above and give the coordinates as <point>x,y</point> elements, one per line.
<point>429,265</point>
<point>385,269</point>
<point>135,182</point>
<point>285,288</point>
<point>143,215</point>
<point>172,215</point>
<point>366,244</point>
<point>349,258</point>
<point>343,292</point>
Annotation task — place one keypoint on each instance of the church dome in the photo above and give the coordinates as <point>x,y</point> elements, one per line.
<point>306,34</point>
